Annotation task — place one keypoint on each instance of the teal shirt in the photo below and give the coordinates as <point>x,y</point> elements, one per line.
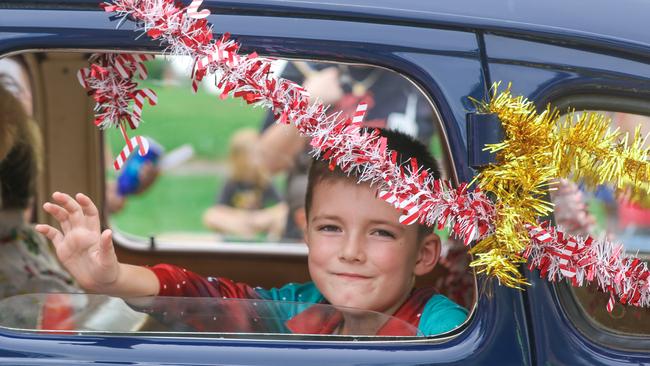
<point>439,315</point>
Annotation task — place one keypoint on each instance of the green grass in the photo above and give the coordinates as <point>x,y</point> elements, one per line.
<point>173,203</point>
<point>202,120</point>
<point>176,203</point>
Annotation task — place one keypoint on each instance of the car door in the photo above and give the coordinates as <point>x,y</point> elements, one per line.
<point>445,63</point>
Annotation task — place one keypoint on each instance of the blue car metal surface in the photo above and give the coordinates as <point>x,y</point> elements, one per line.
<point>453,50</point>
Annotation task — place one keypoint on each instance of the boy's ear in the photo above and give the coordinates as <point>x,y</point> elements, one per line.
<point>428,254</point>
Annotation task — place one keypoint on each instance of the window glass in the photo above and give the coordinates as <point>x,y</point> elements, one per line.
<point>73,313</point>
<point>617,216</point>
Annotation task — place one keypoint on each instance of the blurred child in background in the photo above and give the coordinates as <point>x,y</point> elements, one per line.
<point>27,264</point>
<point>248,204</point>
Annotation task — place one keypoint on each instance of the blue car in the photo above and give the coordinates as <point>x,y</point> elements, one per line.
<point>586,56</point>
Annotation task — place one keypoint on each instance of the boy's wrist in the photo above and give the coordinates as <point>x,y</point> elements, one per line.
<point>108,288</point>
<point>131,281</point>
<point>136,281</point>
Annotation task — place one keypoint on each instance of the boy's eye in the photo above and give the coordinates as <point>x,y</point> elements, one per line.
<point>384,233</point>
<point>329,228</point>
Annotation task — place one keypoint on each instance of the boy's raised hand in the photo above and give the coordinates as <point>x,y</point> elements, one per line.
<point>85,252</point>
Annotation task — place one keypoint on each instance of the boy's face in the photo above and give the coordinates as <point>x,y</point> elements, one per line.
<point>359,254</point>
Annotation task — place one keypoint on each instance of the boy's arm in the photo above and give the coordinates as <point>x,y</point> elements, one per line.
<point>133,281</point>
<point>88,254</point>
<point>177,281</point>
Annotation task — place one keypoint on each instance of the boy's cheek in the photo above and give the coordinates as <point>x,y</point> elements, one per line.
<point>318,242</point>
<point>320,255</point>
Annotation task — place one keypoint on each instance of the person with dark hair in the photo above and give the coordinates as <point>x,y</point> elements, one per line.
<point>27,264</point>
<point>360,257</point>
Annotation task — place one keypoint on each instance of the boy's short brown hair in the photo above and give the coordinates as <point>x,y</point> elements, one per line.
<point>406,148</point>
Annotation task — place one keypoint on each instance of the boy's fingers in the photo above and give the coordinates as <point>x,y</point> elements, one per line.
<point>89,209</point>
<point>59,215</point>
<point>87,205</point>
<point>51,233</point>
<point>69,204</point>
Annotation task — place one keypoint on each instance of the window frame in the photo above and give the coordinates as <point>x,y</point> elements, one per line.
<point>593,330</point>
<point>131,242</point>
<point>136,243</point>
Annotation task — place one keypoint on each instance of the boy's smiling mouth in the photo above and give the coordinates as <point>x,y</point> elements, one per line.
<point>351,276</point>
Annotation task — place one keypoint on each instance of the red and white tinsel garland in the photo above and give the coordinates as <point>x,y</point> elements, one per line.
<point>583,260</point>
<point>468,215</point>
<point>109,80</point>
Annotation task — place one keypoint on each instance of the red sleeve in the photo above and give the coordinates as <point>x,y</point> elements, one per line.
<point>177,281</point>
<point>213,316</point>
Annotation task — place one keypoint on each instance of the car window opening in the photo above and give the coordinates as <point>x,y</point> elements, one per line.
<point>246,204</point>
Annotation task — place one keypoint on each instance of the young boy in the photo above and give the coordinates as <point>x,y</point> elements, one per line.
<point>360,256</point>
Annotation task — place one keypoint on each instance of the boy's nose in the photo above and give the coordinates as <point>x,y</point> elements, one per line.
<point>352,249</point>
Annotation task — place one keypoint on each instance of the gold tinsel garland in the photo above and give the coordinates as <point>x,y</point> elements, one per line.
<point>539,148</point>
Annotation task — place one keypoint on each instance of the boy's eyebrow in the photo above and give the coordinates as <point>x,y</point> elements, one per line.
<point>325,217</point>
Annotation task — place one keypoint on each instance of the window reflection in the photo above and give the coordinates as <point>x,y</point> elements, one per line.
<point>72,313</point>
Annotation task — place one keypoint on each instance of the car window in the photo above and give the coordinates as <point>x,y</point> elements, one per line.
<point>616,215</point>
<point>206,317</point>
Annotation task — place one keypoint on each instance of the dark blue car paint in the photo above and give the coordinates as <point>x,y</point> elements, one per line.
<point>545,57</point>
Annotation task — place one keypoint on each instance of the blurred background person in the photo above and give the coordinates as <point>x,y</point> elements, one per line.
<point>633,211</point>
<point>248,205</point>
<point>27,264</point>
<point>296,191</point>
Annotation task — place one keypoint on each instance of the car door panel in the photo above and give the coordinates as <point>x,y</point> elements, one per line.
<point>545,72</point>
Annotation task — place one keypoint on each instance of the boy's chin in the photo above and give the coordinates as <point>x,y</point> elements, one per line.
<point>352,305</point>
<point>353,309</point>
<point>358,302</point>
